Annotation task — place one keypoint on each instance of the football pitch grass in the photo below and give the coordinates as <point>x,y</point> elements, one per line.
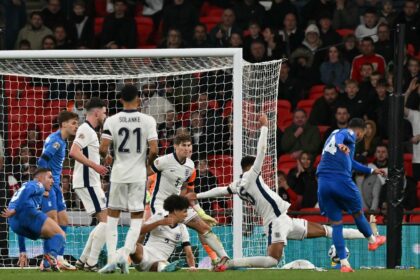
<point>12,274</point>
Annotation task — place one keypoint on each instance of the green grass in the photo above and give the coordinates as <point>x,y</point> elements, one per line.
<point>9,274</point>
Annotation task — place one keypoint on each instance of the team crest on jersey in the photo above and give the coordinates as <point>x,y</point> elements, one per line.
<point>56,145</point>
<point>39,185</point>
<point>177,236</point>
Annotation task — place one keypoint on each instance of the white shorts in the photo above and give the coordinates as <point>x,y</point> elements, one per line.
<point>93,199</point>
<point>127,196</point>
<point>284,227</point>
<point>149,258</point>
<point>191,214</point>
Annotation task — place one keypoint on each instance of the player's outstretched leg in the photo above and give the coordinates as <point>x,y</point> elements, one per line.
<point>363,225</point>
<point>338,241</point>
<point>54,238</point>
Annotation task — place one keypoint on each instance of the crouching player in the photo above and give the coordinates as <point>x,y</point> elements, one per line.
<point>25,218</point>
<point>163,233</point>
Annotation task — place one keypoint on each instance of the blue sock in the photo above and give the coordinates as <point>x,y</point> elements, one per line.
<point>338,240</point>
<point>21,241</point>
<point>363,225</point>
<point>61,252</point>
<point>46,251</point>
<point>55,244</point>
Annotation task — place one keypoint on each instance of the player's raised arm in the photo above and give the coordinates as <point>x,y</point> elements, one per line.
<point>262,145</point>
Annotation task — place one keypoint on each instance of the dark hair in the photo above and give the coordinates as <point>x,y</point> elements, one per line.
<point>247,161</point>
<point>299,110</point>
<point>202,25</point>
<point>328,87</point>
<point>95,102</point>
<point>36,13</point>
<point>281,173</point>
<point>64,116</point>
<point>129,93</point>
<point>357,123</point>
<point>49,37</point>
<point>40,170</point>
<point>176,202</point>
<point>370,10</point>
<point>182,137</point>
<point>382,145</point>
<point>341,107</point>
<point>382,82</point>
<point>79,3</point>
<point>367,39</point>
<point>24,42</point>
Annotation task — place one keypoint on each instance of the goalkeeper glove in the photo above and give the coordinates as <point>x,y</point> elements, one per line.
<point>206,218</point>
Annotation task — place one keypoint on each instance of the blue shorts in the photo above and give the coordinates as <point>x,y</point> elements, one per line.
<point>54,201</point>
<point>336,194</point>
<point>28,224</point>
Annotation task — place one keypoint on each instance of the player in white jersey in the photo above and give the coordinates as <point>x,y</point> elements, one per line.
<point>87,180</point>
<point>132,134</point>
<point>277,224</point>
<point>173,172</point>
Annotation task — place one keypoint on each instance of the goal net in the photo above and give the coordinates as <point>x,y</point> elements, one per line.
<point>211,93</point>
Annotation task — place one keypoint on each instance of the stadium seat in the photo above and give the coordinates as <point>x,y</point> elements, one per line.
<point>99,22</point>
<point>348,219</point>
<point>322,129</point>
<point>210,22</point>
<point>317,160</point>
<point>316,91</point>
<point>408,164</point>
<point>306,105</point>
<point>222,168</point>
<point>228,109</point>
<point>415,218</point>
<point>61,104</point>
<point>312,217</point>
<point>284,119</point>
<point>284,105</point>
<point>344,32</point>
<point>144,28</point>
<point>286,163</point>
<point>100,8</point>
<point>208,10</point>
<point>34,93</point>
<point>286,158</point>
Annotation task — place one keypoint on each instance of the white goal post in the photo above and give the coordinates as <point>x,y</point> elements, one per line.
<point>35,83</point>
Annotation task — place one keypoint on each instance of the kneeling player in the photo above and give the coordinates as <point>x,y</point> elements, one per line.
<point>26,220</point>
<point>163,235</point>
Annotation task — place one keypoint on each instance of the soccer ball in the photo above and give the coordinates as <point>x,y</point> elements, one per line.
<point>332,254</point>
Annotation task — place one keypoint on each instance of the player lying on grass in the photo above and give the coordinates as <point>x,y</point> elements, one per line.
<point>337,191</point>
<point>278,225</point>
<point>25,218</point>
<point>163,234</point>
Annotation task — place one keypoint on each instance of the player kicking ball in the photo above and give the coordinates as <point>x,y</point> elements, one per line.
<point>26,220</point>
<point>163,234</point>
<point>336,190</point>
<point>271,207</point>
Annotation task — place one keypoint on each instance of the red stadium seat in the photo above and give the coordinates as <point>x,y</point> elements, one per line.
<point>286,158</point>
<point>348,219</point>
<point>313,217</point>
<point>286,163</point>
<point>344,32</point>
<point>316,89</point>
<point>62,104</point>
<point>415,218</point>
<point>284,119</point>
<point>208,10</point>
<point>283,104</point>
<point>322,129</point>
<point>306,105</point>
<point>317,160</point>
<point>100,8</point>
<point>99,22</point>
<point>228,109</point>
<point>210,22</point>
<point>408,164</point>
<point>144,28</point>
<point>222,168</point>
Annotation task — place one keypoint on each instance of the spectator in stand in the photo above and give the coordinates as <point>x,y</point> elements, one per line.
<point>413,116</point>
<point>80,98</point>
<point>302,180</point>
<point>346,15</point>
<point>34,140</point>
<point>411,18</point>
<point>384,46</point>
<point>367,147</point>
<point>379,108</point>
<point>300,136</point>
<point>313,8</point>
<point>311,45</point>
<point>369,27</point>
<point>153,104</point>
<point>53,15</point>
<point>61,38</point>
<point>81,26</point>
<point>205,181</point>
<point>278,10</point>
<point>220,34</point>
<point>48,43</point>
<point>166,132</point>
<point>341,117</point>
<point>254,30</point>
<point>119,27</point>
<point>258,52</point>
<point>324,107</point>
<point>355,102</point>
<point>181,15</point>
<point>200,38</point>
<point>173,40</point>
<point>387,13</point>
<point>327,33</point>
<point>285,191</point>
<point>235,40</point>
<point>291,35</point>
<point>289,87</point>
<point>197,131</point>
<point>21,165</point>
<point>368,55</point>
<point>24,45</point>
<point>372,184</point>
<point>335,70</point>
<point>365,85</point>
<point>349,50</point>
<point>275,47</point>
<point>413,71</point>
<point>153,9</point>
<point>34,32</point>
<point>14,19</point>
<point>247,11</point>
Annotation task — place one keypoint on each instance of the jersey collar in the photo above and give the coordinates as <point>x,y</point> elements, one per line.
<point>177,159</point>
<point>89,124</point>
<point>129,111</point>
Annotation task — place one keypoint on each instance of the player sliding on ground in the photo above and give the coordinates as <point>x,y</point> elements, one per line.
<point>278,225</point>
<point>26,220</point>
<point>87,181</point>
<point>336,190</point>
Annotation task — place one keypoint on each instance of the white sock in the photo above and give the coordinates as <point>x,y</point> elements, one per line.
<point>86,250</point>
<point>348,233</point>
<point>253,262</point>
<point>371,239</point>
<point>345,262</point>
<point>60,258</point>
<point>132,237</point>
<point>161,266</point>
<point>111,237</point>
<point>214,243</point>
<point>98,242</point>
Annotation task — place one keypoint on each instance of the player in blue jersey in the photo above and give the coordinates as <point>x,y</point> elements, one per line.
<point>336,190</point>
<point>52,157</point>
<point>25,218</point>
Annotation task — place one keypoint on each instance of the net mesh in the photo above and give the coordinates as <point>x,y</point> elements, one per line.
<point>188,93</point>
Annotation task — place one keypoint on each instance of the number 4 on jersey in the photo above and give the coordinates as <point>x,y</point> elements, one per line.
<point>330,147</point>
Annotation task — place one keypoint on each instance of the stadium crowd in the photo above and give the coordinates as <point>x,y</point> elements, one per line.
<point>339,66</point>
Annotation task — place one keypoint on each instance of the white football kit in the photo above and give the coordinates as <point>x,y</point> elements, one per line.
<point>86,181</point>
<point>130,132</point>
<point>171,174</point>
<point>161,242</point>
